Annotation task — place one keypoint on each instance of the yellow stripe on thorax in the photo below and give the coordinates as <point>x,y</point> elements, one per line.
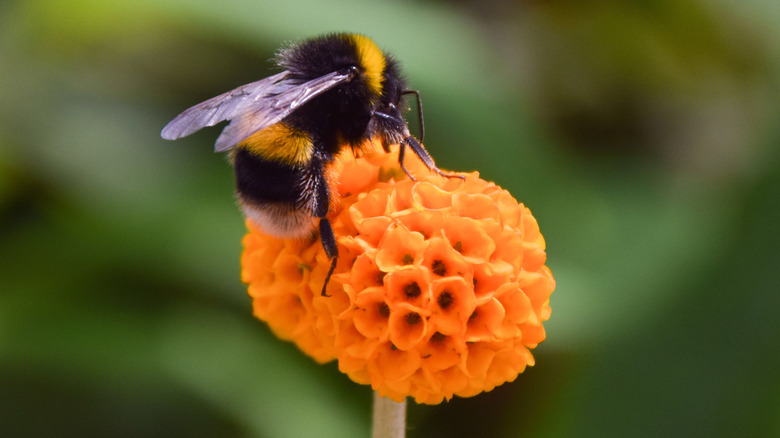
<point>372,61</point>
<point>280,143</point>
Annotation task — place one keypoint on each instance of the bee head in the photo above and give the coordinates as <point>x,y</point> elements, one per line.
<point>387,121</point>
<point>388,125</point>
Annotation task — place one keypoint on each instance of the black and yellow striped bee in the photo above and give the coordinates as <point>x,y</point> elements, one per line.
<point>335,91</point>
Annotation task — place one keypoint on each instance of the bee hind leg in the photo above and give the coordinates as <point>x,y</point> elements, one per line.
<point>331,250</point>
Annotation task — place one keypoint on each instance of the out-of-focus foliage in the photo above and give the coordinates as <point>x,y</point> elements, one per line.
<point>643,136</point>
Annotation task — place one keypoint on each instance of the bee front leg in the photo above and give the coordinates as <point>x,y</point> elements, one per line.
<point>401,158</point>
<point>424,156</point>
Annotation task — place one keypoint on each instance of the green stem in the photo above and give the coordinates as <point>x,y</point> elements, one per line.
<point>389,418</point>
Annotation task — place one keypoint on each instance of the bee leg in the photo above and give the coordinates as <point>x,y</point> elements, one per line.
<point>401,156</point>
<point>320,207</point>
<point>331,250</point>
<point>425,157</point>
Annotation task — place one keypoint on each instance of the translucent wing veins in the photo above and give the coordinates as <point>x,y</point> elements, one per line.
<point>223,107</point>
<point>252,107</point>
<point>262,113</point>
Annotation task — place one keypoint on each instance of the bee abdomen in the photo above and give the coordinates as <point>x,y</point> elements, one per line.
<point>280,220</point>
<point>264,181</point>
<point>270,195</point>
<point>280,143</point>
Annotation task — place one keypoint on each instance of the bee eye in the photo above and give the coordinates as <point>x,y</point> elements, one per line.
<point>353,71</point>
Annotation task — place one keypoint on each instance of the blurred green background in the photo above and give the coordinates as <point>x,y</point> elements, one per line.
<point>643,136</point>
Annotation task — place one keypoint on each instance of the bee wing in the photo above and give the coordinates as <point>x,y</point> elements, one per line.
<point>287,96</point>
<point>223,107</point>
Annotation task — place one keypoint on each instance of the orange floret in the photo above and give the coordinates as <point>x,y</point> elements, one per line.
<point>441,286</point>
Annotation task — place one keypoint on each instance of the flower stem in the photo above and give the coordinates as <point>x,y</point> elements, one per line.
<point>389,418</point>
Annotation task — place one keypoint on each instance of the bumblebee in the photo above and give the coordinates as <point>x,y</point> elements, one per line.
<point>334,91</point>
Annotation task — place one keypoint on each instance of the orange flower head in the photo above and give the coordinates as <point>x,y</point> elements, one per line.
<point>441,285</point>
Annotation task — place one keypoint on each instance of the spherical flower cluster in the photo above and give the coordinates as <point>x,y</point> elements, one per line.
<point>441,286</point>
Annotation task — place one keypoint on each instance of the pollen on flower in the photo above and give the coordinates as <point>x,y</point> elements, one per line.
<point>441,287</point>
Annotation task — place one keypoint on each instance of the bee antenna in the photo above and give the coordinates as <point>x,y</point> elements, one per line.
<point>419,111</point>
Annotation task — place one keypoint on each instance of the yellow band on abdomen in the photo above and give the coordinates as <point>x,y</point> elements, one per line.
<point>280,143</point>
